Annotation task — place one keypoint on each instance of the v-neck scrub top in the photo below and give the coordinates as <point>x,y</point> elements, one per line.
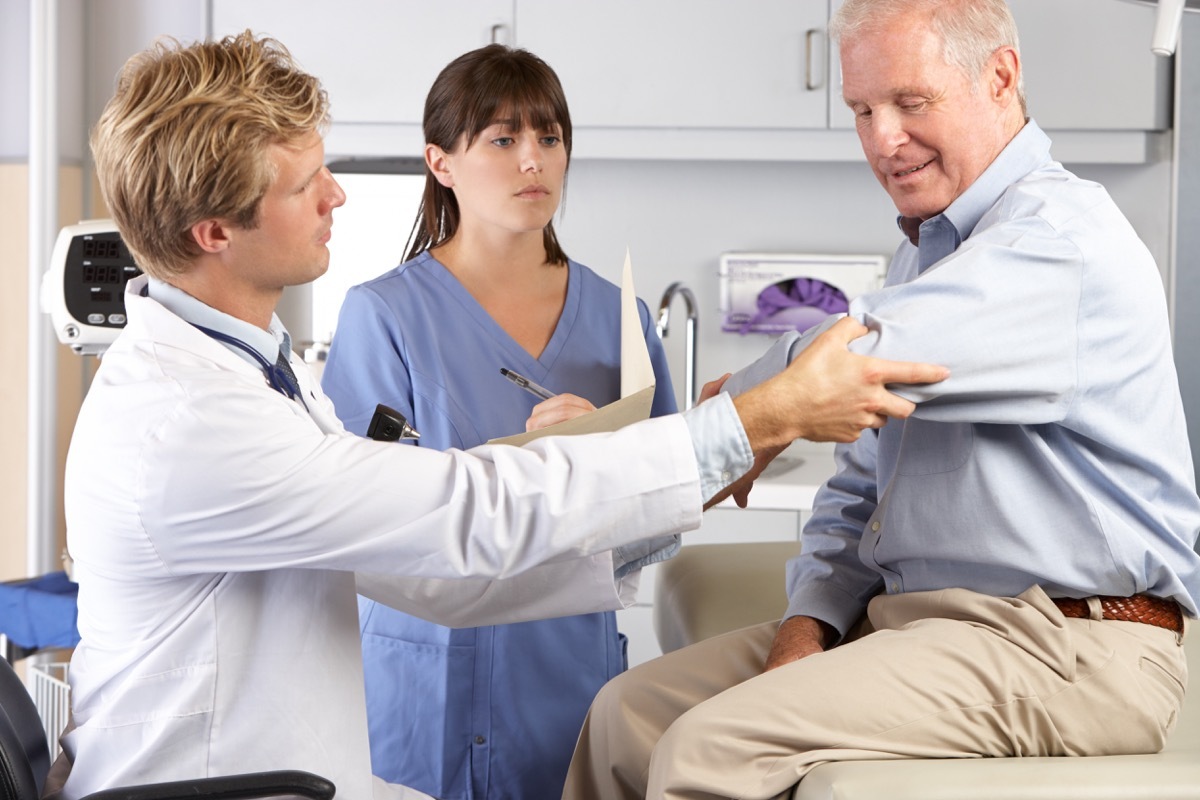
<point>488,712</point>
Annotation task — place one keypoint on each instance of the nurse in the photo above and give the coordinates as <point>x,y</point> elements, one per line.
<point>493,711</point>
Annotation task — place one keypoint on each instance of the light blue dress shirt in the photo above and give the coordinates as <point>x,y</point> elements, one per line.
<point>1055,453</point>
<point>267,343</point>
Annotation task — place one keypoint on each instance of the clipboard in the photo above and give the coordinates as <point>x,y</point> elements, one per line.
<point>637,380</point>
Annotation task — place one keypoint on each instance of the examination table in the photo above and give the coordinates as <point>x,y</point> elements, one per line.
<point>711,589</point>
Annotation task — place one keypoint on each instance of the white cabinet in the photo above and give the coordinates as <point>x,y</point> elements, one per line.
<point>684,64</point>
<point>698,79</point>
<point>1087,67</point>
<point>376,58</point>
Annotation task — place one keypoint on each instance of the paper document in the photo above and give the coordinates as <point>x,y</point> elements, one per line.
<point>637,380</point>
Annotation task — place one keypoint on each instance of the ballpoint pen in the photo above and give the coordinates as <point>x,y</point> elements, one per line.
<point>526,384</point>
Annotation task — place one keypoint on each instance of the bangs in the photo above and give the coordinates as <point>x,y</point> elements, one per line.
<point>519,100</point>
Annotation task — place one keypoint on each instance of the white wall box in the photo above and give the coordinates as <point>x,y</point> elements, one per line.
<point>742,277</point>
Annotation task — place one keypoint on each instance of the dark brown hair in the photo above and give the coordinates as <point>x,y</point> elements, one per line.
<point>493,84</point>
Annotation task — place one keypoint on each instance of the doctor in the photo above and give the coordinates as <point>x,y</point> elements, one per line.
<point>218,512</point>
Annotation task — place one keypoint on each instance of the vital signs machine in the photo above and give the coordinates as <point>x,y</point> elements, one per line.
<point>84,289</point>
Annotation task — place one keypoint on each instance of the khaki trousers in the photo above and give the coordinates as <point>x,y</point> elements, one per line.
<point>946,674</point>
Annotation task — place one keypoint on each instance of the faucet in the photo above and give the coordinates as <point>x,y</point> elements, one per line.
<point>664,316</point>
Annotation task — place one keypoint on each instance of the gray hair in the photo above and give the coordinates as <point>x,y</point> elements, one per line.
<point>971,30</point>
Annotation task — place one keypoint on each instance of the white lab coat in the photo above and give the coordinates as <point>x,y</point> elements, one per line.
<point>217,527</point>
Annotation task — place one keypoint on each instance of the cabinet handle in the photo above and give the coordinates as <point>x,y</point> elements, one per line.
<point>498,31</point>
<point>814,79</point>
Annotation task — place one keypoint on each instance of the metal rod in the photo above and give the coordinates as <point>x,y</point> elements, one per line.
<point>41,459</point>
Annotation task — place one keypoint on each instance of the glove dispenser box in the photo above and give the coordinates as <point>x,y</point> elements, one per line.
<point>777,292</point>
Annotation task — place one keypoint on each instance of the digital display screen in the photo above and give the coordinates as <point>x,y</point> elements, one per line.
<point>94,273</point>
<point>101,248</point>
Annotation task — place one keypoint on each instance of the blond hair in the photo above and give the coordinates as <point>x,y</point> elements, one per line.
<point>185,136</point>
<point>971,31</point>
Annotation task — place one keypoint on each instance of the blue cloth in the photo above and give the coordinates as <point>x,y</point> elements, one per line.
<point>1056,453</point>
<point>484,712</point>
<point>40,612</point>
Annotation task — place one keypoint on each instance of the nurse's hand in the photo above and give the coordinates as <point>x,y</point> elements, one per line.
<point>796,638</point>
<point>559,408</point>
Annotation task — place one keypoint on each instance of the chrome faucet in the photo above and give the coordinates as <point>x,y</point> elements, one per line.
<point>664,317</point>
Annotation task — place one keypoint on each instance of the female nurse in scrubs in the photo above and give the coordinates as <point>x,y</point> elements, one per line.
<point>484,712</point>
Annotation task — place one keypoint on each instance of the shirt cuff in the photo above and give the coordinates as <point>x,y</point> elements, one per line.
<point>631,557</point>
<point>719,441</point>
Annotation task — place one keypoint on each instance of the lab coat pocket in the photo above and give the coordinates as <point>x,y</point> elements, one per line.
<point>172,694</point>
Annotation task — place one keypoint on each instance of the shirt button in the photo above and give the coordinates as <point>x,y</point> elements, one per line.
<point>726,477</point>
<point>480,740</point>
<point>895,587</point>
<point>875,526</point>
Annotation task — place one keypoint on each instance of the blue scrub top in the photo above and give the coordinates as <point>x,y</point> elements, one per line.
<point>488,712</point>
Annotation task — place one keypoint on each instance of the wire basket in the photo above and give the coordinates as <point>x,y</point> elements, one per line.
<point>52,697</point>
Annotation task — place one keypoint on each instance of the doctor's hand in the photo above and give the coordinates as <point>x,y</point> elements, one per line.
<point>796,638</point>
<point>559,408</point>
<point>829,394</point>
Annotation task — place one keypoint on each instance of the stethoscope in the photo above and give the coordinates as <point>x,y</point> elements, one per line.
<point>277,378</point>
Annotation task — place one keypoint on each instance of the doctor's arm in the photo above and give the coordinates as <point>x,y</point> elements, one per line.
<point>556,589</point>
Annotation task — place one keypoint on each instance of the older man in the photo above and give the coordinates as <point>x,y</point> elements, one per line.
<point>1022,546</point>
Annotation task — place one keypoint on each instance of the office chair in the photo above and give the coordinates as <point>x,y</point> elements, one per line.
<point>25,762</point>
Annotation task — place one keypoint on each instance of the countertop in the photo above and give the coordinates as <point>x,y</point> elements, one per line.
<point>791,481</point>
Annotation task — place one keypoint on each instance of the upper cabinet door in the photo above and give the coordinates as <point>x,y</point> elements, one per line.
<point>1087,67</point>
<point>683,63</point>
<point>376,58</point>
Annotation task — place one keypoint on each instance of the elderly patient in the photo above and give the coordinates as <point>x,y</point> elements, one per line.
<point>1022,545</point>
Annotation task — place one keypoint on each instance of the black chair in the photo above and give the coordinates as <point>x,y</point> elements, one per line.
<point>25,762</point>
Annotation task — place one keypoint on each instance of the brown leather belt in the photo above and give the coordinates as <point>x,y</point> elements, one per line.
<point>1139,608</point>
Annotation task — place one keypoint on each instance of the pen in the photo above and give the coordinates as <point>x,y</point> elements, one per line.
<point>526,384</point>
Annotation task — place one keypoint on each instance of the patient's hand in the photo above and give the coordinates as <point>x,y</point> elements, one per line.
<point>559,408</point>
<point>710,389</point>
<point>796,638</point>
<point>739,489</point>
